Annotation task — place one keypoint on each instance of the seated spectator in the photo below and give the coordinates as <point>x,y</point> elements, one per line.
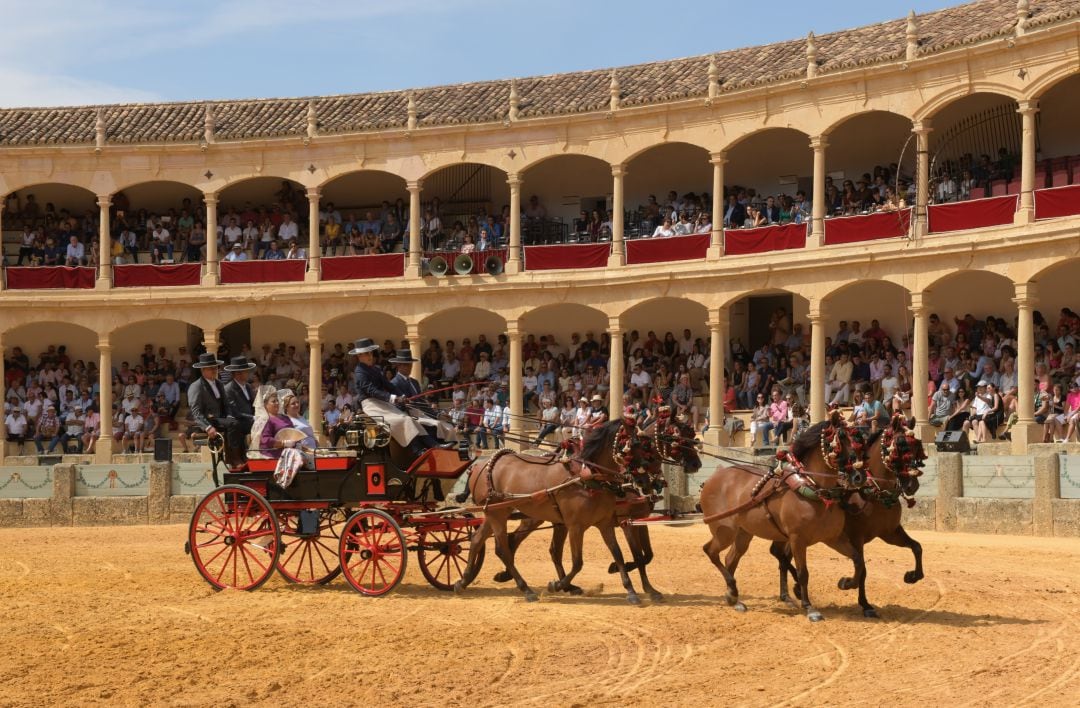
<point>664,229</point>
<point>275,253</point>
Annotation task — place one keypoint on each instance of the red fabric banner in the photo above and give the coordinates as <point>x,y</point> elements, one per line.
<point>383,265</point>
<point>672,248</point>
<point>478,258</point>
<point>1058,201</point>
<point>49,277</point>
<point>738,242</point>
<point>867,227</point>
<point>972,214</point>
<point>143,275</point>
<point>285,271</point>
<point>577,255</point>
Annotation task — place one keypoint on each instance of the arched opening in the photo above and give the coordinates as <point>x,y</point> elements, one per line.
<point>768,329</point>
<point>1059,145</point>
<point>156,344</point>
<point>764,171</point>
<point>459,201</point>
<point>567,348</point>
<point>1056,293</point>
<point>455,342</point>
<point>45,217</point>
<point>556,191</point>
<point>278,345</point>
<point>668,180</point>
<point>871,160</point>
<point>259,211</point>
<point>975,146</point>
<point>178,208</point>
<point>371,207</point>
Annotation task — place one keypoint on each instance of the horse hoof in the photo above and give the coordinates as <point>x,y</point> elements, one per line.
<point>846,583</point>
<point>530,596</point>
<point>739,607</point>
<point>656,597</point>
<point>612,569</point>
<point>814,616</point>
<point>869,612</point>
<point>731,600</point>
<point>575,590</point>
<point>784,597</point>
<point>554,586</point>
<point>633,599</point>
<point>912,576</point>
<point>503,576</point>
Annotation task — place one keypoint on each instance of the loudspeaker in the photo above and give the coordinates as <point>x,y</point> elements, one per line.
<point>952,441</point>
<point>438,266</point>
<point>463,264</point>
<point>493,265</point>
<point>162,449</point>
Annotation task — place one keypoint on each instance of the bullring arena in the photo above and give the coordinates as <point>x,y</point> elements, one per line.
<point>815,293</point>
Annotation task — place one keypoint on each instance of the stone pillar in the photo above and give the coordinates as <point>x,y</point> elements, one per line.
<point>517,409</point>
<point>61,511</point>
<point>718,326</point>
<point>922,177</point>
<point>920,367</point>
<point>412,269</point>
<point>210,341</point>
<point>1047,489</point>
<point>817,362</point>
<point>513,256</point>
<point>950,469</point>
<point>314,260</point>
<point>159,492</point>
<point>104,447</point>
<point>315,383</point>
<point>412,333</point>
<point>104,281</point>
<point>1026,430</point>
<point>2,203</point>
<point>618,245</point>
<point>1026,213</point>
<point>210,277</point>
<point>3,397</point>
<point>615,368</point>
<point>716,243</point>
<point>817,228</point>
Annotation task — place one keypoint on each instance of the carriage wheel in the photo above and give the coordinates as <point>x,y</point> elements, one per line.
<point>372,552</point>
<point>310,560</point>
<point>234,538</point>
<point>444,552</point>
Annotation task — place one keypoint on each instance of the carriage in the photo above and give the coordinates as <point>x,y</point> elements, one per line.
<point>357,514</point>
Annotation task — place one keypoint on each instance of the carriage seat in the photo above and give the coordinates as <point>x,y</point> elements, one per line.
<point>439,463</point>
<point>324,461</point>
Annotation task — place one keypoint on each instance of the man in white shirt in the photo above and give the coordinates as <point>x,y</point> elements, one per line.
<point>529,383</point>
<point>233,233</point>
<point>161,243</point>
<point>288,229</point>
<point>236,254</point>
<point>76,253</point>
<point>641,379</point>
<point>686,344</point>
<point>133,430</point>
<point>17,424</point>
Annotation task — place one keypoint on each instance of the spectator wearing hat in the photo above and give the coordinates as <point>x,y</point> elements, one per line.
<point>236,253</point>
<point>598,415</point>
<point>549,418</point>
<point>490,424</point>
<point>48,428</point>
<point>74,421</point>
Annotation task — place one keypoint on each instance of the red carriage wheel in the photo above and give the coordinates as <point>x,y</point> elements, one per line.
<point>372,552</point>
<point>310,559</point>
<point>233,538</point>
<point>444,552</point>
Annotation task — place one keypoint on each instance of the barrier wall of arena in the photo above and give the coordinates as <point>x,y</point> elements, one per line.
<point>997,494</point>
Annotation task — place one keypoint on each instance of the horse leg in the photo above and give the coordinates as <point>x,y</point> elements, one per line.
<point>608,534</point>
<point>798,554</point>
<point>502,549</point>
<point>565,583</point>
<point>637,537</point>
<point>558,544</point>
<point>722,538</point>
<point>476,543</point>
<point>779,551</point>
<point>628,531</point>
<point>899,537</point>
<point>853,548</point>
<point>526,527</point>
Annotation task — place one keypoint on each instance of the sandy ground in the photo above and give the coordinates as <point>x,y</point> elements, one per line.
<point>118,616</point>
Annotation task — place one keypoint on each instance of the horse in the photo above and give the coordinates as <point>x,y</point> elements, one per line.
<point>794,503</point>
<point>894,458</point>
<point>578,493</point>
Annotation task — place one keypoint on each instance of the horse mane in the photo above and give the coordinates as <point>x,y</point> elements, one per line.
<point>598,438</point>
<point>873,437</point>
<point>809,440</point>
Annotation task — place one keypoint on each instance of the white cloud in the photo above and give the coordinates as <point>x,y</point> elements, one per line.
<point>30,89</point>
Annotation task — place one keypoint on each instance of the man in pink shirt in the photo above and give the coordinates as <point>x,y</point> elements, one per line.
<point>778,409</point>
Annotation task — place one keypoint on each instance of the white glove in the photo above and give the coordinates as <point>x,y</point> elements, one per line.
<point>393,398</point>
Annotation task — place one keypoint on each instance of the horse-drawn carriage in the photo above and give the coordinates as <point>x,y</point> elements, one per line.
<point>357,514</point>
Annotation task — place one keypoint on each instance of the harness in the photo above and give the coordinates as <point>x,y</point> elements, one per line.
<point>902,453</point>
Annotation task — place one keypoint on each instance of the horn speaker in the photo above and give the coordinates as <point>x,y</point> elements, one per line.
<point>493,265</point>
<point>438,266</point>
<point>463,264</point>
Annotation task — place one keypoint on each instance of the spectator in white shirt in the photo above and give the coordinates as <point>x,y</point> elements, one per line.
<point>17,424</point>
<point>236,254</point>
<point>233,233</point>
<point>664,230</point>
<point>288,229</point>
<point>76,253</point>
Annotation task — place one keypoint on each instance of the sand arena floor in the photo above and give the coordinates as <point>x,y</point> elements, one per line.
<point>118,616</point>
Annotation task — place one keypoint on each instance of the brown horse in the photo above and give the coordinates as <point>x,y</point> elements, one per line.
<point>894,458</point>
<point>794,505</point>
<point>544,489</point>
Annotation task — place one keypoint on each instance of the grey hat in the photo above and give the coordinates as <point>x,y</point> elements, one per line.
<point>362,346</point>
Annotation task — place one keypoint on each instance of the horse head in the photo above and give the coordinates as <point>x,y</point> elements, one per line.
<point>675,442</point>
<point>844,450</point>
<point>902,455</point>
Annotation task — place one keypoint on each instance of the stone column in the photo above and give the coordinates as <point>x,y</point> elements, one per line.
<point>950,470</point>
<point>716,244</point>
<point>615,368</point>
<point>1047,490</point>
<point>412,333</point>
<point>513,256</point>
<point>412,269</point>
<point>1026,213</point>
<point>210,341</point>
<point>922,177</point>
<point>920,366</point>
<point>618,245</point>
<point>718,326</point>
<point>314,261</point>
<point>315,387</point>
<point>817,362</point>
<point>3,397</point>
<point>104,447</point>
<point>2,203</point>
<point>104,281</point>
<point>210,277</point>
<point>817,228</point>
<point>517,409</point>
<point>1026,430</point>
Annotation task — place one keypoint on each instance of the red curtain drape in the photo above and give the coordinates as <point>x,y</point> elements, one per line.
<point>972,214</point>
<point>1058,201</point>
<point>738,242</point>
<point>674,248</point>
<point>867,227</point>
<point>580,255</point>
<point>286,271</point>
<point>384,265</point>
<point>49,277</point>
<point>144,275</point>
<point>478,258</point>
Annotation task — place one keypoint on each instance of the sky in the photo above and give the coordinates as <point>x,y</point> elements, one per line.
<point>75,52</point>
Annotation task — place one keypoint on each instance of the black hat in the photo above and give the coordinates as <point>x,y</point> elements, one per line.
<point>206,360</point>
<point>403,356</point>
<point>363,346</point>
<point>240,363</point>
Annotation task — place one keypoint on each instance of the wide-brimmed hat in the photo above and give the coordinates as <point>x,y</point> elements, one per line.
<point>597,399</point>
<point>403,356</point>
<point>240,363</point>
<point>206,360</point>
<point>362,346</point>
